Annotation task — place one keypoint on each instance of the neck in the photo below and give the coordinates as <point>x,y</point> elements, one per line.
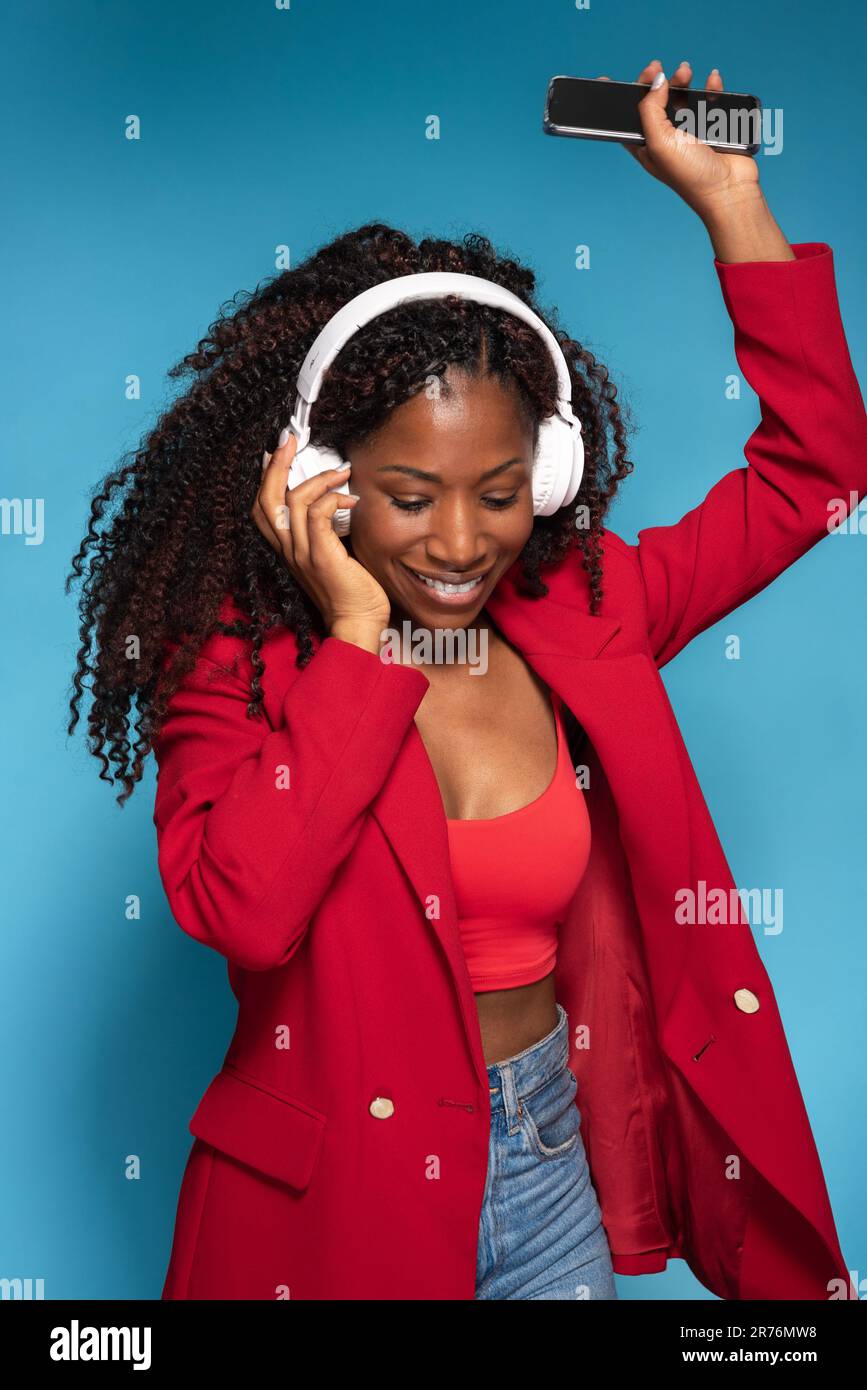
<point>471,641</point>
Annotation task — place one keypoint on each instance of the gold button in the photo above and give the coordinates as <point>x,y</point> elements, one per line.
<point>746,1001</point>
<point>382,1107</point>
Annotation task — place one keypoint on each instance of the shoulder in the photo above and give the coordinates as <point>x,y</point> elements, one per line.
<point>230,654</point>
<point>621,584</point>
<point>568,581</point>
<point>616,546</point>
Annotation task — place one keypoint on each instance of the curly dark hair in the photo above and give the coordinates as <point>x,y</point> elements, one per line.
<point>179,536</point>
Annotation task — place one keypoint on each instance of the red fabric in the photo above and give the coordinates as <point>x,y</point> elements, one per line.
<point>309,847</point>
<point>514,877</point>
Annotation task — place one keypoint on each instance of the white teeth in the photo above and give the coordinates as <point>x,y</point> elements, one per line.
<point>443,588</point>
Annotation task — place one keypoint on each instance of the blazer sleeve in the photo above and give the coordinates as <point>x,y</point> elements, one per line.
<point>252,822</point>
<point>809,449</point>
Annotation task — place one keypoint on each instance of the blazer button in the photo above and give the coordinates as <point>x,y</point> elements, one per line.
<point>382,1107</point>
<point>746,1001</point>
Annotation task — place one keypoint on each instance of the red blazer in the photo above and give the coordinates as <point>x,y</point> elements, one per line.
<point>309,848</point>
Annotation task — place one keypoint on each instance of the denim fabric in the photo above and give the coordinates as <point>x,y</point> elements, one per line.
<point>540,1234</point>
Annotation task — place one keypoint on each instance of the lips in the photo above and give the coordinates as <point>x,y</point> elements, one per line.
<point>448,591</point>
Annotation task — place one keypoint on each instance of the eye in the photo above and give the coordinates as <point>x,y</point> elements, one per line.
<point>497,504</point>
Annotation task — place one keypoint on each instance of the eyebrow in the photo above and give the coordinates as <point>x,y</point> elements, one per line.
<point>435,477</point>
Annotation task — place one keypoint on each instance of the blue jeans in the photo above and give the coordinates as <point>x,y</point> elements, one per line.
<point>540,1234</point>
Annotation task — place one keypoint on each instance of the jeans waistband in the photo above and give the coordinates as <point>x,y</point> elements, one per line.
<point>516,1078</point>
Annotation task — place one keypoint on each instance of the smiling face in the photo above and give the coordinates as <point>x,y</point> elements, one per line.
<point>446,492</point>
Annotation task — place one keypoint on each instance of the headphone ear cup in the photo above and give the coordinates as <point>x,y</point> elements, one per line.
<point>577,465</point>
<point>544,469</point>
<point>309,462</point>
<point>553,466</point>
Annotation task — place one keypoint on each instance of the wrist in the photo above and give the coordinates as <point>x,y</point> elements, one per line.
<point>364,635</point>
<point>742,227</point>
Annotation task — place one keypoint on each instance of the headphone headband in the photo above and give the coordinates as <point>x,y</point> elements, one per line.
<point>402,289</point>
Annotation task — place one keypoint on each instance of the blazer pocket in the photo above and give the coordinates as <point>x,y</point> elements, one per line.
<point>265,1129</point>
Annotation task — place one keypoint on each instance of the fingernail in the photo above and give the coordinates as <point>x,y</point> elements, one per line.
<point>685,63</point>
<point>657,81</point>
<point>354,495</point>
<point>343,467</point>
<point>284,437</point>
<point>714,70</point>
<point>266,458</point>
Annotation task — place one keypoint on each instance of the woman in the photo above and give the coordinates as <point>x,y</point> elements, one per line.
<point>440,938</point>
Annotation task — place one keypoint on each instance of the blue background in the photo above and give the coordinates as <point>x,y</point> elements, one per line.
<point>262,127</point>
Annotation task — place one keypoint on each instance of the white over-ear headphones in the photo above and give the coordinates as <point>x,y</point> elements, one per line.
<point>559,459</point>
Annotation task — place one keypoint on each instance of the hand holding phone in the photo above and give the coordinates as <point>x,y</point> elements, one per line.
<point>639,116</point>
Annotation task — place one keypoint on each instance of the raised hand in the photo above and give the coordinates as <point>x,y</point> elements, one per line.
<point>703,176</point>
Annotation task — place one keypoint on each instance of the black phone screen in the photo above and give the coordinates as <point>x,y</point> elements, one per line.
<point>611,108</point>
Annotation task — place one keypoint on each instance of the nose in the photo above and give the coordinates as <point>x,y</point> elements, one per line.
<point>457,540</point>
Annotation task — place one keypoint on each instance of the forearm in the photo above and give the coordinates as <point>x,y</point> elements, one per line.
<point>742,227</point>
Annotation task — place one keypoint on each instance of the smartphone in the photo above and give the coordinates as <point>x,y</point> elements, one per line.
<point>592,109</point>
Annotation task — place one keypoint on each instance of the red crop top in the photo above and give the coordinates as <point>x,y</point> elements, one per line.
<point>514,876</point>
